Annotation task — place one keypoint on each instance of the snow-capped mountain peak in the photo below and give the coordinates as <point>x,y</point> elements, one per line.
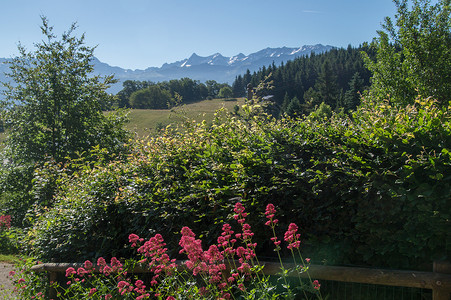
<point>262,57</point>
<point>214,67</point>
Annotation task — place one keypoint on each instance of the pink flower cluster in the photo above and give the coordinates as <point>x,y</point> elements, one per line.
<point>134,239</point>
<point>115,267</point>
<point>124,287</point>
<point>5,221</point>
<point>206,264</point>
<point>292,237</point>
<point>92,292</point>
<point>316,284</point>
<point>226,241</point>
<point>155,255</point>
<point>241,215</point>
<point>269,213</point>
<point>246,253</point>
<point>210,263</point>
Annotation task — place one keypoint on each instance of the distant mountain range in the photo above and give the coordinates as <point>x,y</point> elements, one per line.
<point>215,67</point>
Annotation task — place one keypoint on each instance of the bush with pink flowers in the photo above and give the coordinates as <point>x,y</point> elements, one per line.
<point>28,285</point>
<point>228,269</point>
<point>5,222</point>
<point>9,237</point>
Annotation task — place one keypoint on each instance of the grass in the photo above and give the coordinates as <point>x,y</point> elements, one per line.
<point>146,121</point>
<point>9,258</point>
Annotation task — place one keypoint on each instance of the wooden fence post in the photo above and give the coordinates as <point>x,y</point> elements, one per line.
<point>52,279</point>
<point>439,293</point>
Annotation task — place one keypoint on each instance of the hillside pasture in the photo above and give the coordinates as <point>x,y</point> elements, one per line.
<point>146,121</point>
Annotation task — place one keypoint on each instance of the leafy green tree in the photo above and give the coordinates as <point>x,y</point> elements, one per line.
<point>203,91</point>
<point>225,92</point>
<point>323,112</point>
<point>152,97</point>
<point>53,107</point>
<point>190,90</point>
<point>129,87</point>
<point>413,53</point>
<point>213,88</point>
<point>53,111</point>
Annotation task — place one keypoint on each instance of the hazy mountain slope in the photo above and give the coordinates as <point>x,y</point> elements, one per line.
<point>216,67</point>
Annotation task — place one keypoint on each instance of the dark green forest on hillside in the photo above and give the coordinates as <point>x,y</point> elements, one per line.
<point>353,148</point>
<point>335,77</point>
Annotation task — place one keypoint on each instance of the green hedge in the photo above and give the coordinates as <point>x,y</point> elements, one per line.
<point>373,189</point>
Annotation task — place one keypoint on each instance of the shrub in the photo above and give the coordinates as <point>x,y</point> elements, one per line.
<point>228,269</point>
<point>369,190</point>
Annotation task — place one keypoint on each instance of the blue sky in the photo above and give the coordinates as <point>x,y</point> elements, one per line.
<point>137,34</point>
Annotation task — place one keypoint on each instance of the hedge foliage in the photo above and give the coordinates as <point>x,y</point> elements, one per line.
<point>369,189</point>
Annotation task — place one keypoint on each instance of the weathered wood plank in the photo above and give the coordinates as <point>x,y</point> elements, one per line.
<point>440,293</point>
<point>415,279</point>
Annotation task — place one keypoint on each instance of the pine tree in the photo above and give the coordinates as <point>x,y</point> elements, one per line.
<point>352,96</point>
<point>311,100</point>
<point>285,103</point>
<point>294,107</point>
<point>247,78</point>
<point>238,87</point>
<point>327,86</point>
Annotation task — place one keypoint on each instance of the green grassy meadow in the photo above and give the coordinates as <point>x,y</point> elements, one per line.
<point>145,121</point>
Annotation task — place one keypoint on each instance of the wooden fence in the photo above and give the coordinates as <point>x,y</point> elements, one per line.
<point>439,281</point>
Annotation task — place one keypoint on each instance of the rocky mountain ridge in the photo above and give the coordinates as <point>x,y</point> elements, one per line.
<point>214,67</point>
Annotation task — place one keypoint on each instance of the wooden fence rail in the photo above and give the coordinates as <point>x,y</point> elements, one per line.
<point>439,281</point>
